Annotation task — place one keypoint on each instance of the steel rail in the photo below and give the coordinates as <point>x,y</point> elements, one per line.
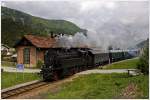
<point>21,89</point>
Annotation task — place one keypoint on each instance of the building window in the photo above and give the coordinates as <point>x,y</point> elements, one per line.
<point>26,55</point>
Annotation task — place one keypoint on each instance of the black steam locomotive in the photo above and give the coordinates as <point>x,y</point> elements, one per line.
<point>62,62</point>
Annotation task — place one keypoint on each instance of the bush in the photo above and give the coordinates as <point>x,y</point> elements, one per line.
<point>39,64</point>
<point>9,59</point>
<point>143,63</point>
<point>7,63</point>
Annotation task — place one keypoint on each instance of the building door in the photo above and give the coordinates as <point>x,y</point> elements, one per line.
<point>26,56</point>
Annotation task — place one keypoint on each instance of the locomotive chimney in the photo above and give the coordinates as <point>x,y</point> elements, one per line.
<point>52,35</point>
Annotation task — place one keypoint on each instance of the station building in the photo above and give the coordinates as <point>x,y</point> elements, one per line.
<point>31,49</point>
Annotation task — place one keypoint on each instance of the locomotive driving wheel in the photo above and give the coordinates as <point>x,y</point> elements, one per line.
<point>71,71</point>
<point>55,76</point>
<point>76,69</point>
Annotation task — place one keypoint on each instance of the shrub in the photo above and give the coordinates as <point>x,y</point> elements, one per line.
<point>39,64</point>
<point>7,63</point>
<point>143,63</point>
<point>9,59</point>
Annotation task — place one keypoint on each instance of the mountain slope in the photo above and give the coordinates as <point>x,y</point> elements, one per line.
<point>15,24</point>
<point>142,44</point>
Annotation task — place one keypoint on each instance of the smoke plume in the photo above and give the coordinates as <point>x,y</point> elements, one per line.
<point>80,40</point>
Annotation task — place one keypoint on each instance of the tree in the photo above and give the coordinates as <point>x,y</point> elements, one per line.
<point>143,63</point>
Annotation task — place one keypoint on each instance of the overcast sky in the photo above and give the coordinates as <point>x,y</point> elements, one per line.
<point>124,21</point>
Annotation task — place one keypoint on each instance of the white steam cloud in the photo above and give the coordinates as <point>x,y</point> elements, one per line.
<point>80,40</point>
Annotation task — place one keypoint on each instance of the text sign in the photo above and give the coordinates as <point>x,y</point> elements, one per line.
<point>20,66</point>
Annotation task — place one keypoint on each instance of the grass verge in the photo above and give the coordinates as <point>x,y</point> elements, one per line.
<point>125,64</point>
<point>10,79</point>
<point>104,86</point>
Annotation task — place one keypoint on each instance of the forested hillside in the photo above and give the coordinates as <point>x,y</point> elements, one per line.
<point>16,23</point>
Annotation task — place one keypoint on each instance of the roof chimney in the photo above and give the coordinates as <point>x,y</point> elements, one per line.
<point>52,34</point>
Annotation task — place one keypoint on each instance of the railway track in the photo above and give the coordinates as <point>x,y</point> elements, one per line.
<point>6,94</point>
<point>22,89</point>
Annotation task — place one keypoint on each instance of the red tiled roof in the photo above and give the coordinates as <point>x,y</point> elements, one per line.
<point>40,41</point>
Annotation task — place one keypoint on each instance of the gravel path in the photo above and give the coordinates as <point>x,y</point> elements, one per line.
<point>26,70</point>
<point>105,71</point>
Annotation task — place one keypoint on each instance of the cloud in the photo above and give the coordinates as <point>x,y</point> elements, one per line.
<point>120,23</point>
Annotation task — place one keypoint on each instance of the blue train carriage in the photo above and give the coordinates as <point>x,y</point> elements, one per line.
<point>131,53</point>
<point>117,55</point>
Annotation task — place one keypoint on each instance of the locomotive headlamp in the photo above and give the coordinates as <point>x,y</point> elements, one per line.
<point>50,67</point>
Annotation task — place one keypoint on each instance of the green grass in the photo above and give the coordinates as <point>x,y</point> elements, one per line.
<point>9,79</point>
<point>93,86</point>
<point>125,64</point>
